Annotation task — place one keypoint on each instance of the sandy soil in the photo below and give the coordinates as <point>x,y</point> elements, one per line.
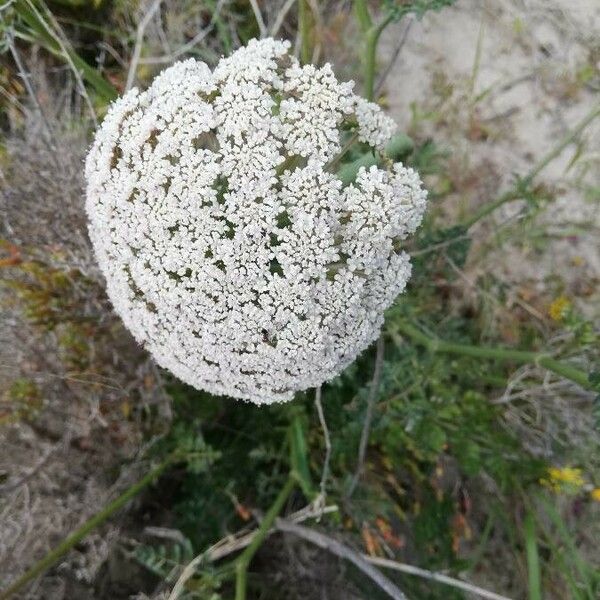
<point>504,81</point>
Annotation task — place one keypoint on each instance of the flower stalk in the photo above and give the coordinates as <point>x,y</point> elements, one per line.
<point>541,359</point>
<point>371,33</point>
<point>243,562</point>
<point>516,192</point>
<point>306,31</point>
<point>52,557</point>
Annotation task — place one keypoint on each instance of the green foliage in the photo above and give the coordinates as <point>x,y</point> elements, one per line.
<point>33,22</point>
<point>164,560</point>
<point>594,378</point>
<point>431,528</point>
<point>186,440</point>
<point>254,453</point>
<point>582,578</point>
<point>439,250</point>
<point>399,8</point>
<point>299,455</point>
<point>582,330</point>
<point>427,158</point>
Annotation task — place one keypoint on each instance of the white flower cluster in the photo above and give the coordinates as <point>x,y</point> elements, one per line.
<point>231,249</point>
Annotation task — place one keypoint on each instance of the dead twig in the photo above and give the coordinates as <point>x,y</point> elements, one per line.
<point>139,39</point>
<point>199,37</point>
<point>431,576</point>
<point>331,545</point>
<point>281,17</point>
<point>65,46</point>
<point>395,55</point>
<point>60,446</point>
<point>239,541</point>
<point>25,77</point>
<point>259,18</point>
<point>325,474</point>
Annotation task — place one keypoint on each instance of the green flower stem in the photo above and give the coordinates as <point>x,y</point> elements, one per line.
<point>503,354</point>
<point>372,40</point>
<point>363,17</point>
<point>57,553</point>
<point>516,192</point>
<point>371,33</point>
<point>306,30</point>
<point>533,558</point>
<point>243,562</point>
<point>398,147</point>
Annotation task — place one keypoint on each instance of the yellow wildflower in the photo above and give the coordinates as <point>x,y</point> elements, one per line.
<point>558,308</point>
<point>567,479</point>
<point>567,475</point>
<point>595,493</point>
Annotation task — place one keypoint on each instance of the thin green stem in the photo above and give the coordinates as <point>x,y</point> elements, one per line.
<point>333,163</point>
<point>490,207</point>
<point>305,23</point>
<point>370,64</point>
<point>516,192</point>
<point>533,558</point>
<point>370,61</point>
<point>568,139</point>
<point>243,562</point>
<point>371,33</point>
<point>504,354</point>
<point>363,17</point>
<point>57,553</point>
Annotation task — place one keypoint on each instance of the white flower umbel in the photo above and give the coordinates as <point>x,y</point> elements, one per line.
<point>231,249</point>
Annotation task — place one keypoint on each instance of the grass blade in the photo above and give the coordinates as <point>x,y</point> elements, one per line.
<point>572,554</point>
<point>41,31</point>
<point>533,559</point>
<point>299,457</point>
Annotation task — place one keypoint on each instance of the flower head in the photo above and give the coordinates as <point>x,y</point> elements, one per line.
<point>565,479</point>
<point>559,308</point>
<point>230,249</point>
